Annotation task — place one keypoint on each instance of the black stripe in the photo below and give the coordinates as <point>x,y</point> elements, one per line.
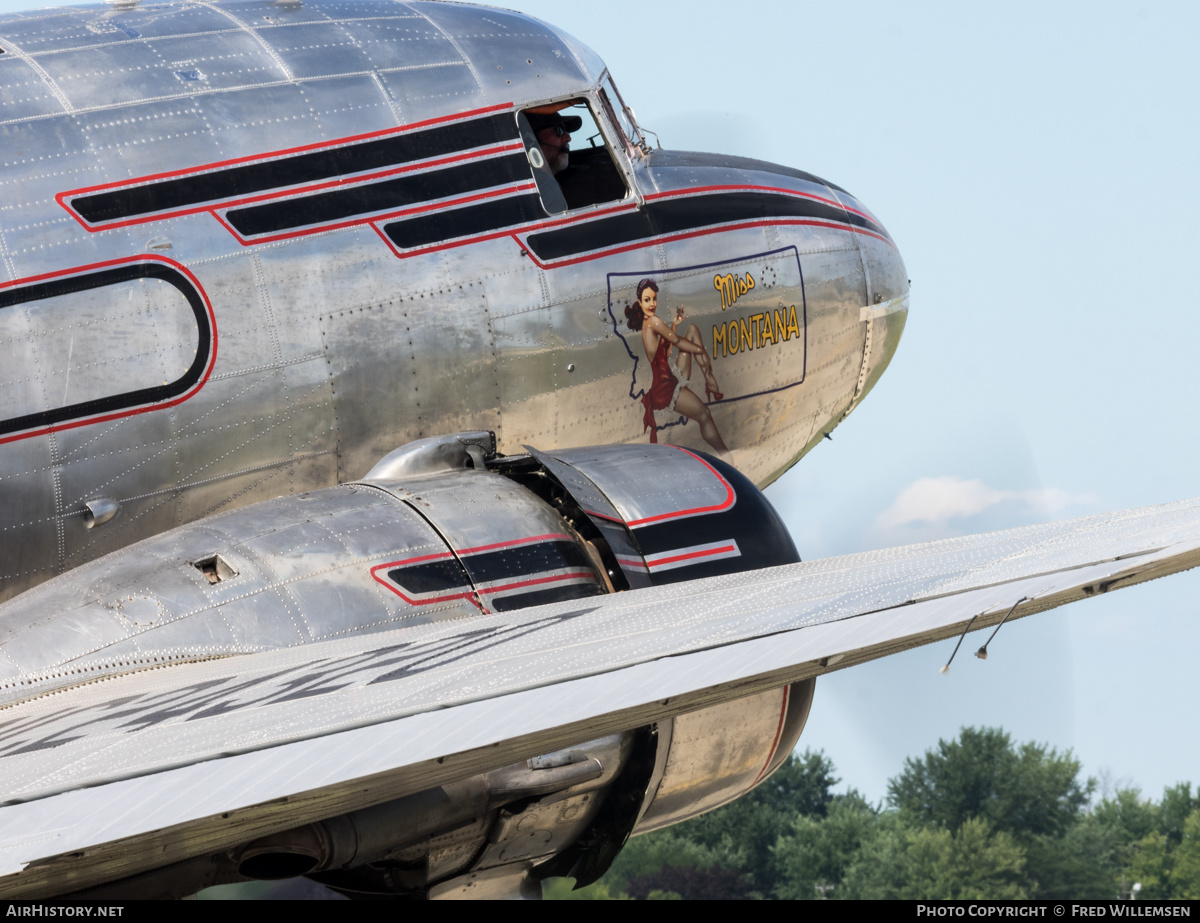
<point>298,168</point>
<point>105,277</point>
<point>671,216</point>
<point>762,538</point>
<point>431,577</point>
<point>524,561</point>
<point>386,194</point>
<point>541,597</point>
<point>463,222</point>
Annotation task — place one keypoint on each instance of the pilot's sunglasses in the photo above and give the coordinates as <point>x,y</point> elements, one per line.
<point>559,131</point>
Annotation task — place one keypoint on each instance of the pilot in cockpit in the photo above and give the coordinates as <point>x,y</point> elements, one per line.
<point>569,179</point>
<point>553,131</point>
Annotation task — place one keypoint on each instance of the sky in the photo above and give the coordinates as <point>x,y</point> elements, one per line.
<point>1046,367</point>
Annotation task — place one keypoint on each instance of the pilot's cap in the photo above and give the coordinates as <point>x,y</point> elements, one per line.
<point>540,120</point>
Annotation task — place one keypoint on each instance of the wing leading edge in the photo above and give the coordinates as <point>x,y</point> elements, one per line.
<point>107,779</point>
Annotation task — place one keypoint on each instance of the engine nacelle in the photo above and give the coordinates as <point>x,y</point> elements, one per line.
<point>440,529</point>
<point>711,757</point>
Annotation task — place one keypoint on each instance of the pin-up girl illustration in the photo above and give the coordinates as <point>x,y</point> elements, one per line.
<point>669,389</point>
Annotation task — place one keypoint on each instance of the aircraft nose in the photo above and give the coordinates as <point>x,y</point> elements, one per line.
<point>885,288</point>
<point>885,277</point>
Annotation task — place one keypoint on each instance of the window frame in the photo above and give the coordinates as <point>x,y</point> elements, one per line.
<point>599,109</point>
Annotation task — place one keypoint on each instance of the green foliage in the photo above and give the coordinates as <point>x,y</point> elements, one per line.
<point>906,863</point>
<point>649,853</point>
<point>690,883</point>
<point>976,817</point>
<point>1083,863</point>
<point>1164,869</point>
<point>1128,816</point>
<point>743,833</point>
<point>1158,845</point>
<point>818,851</point>
<point>1025,791</point>
<point>1151,866</point>
<point>1177,805</point>
<point>1185,877</point>
<point>563,889</point>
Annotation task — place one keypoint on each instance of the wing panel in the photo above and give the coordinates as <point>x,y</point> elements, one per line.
<point>437,702</point>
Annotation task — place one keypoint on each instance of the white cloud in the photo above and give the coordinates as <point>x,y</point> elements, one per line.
<point>936,501</point>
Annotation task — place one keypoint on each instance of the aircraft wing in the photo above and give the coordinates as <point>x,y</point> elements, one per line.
<point>108,778</point>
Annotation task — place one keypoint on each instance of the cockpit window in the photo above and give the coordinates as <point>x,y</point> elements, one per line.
<point>622,116</point>
<point>571,161</point>
<point>552,197</point>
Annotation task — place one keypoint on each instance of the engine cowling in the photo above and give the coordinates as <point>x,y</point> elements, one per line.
<point>440,529</point>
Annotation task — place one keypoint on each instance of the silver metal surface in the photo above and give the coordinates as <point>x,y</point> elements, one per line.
<point>98,512</point>
<point>249,248</point>
<point>664,487</point>
<point>331,344</point>
<point>454,537</point>
<point>717,754</point>
<point>435,455</point>
<point>288,572</point>
<point>643,655</point>
<point>291,571</point>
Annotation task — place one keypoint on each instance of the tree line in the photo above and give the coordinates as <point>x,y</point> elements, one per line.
<point>977,817</point>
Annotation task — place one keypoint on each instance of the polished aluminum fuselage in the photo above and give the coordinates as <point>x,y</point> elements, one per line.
<point>170,362</point>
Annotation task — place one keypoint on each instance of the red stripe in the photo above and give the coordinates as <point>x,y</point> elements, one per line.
<point>775,743</point>
<point>701,232</point>
<point>604,517</point>
<point>129,412</point>
<point>647,242</point>
<point>359,179</point>
<point>658,562</point>
<point>516,541</point>
<point>653,196</point>
<point>515,586</point>
<point>684,235</point>
<point>694,511</point>
<point>493,235</point>
<point>284,193</point>
<point>441,555</point>
<point>227,226</point>
<point>479,591</point>
<point>469,596</point>
<point>284,152</point>
<point>576,219</point>
<point>370,219</point>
